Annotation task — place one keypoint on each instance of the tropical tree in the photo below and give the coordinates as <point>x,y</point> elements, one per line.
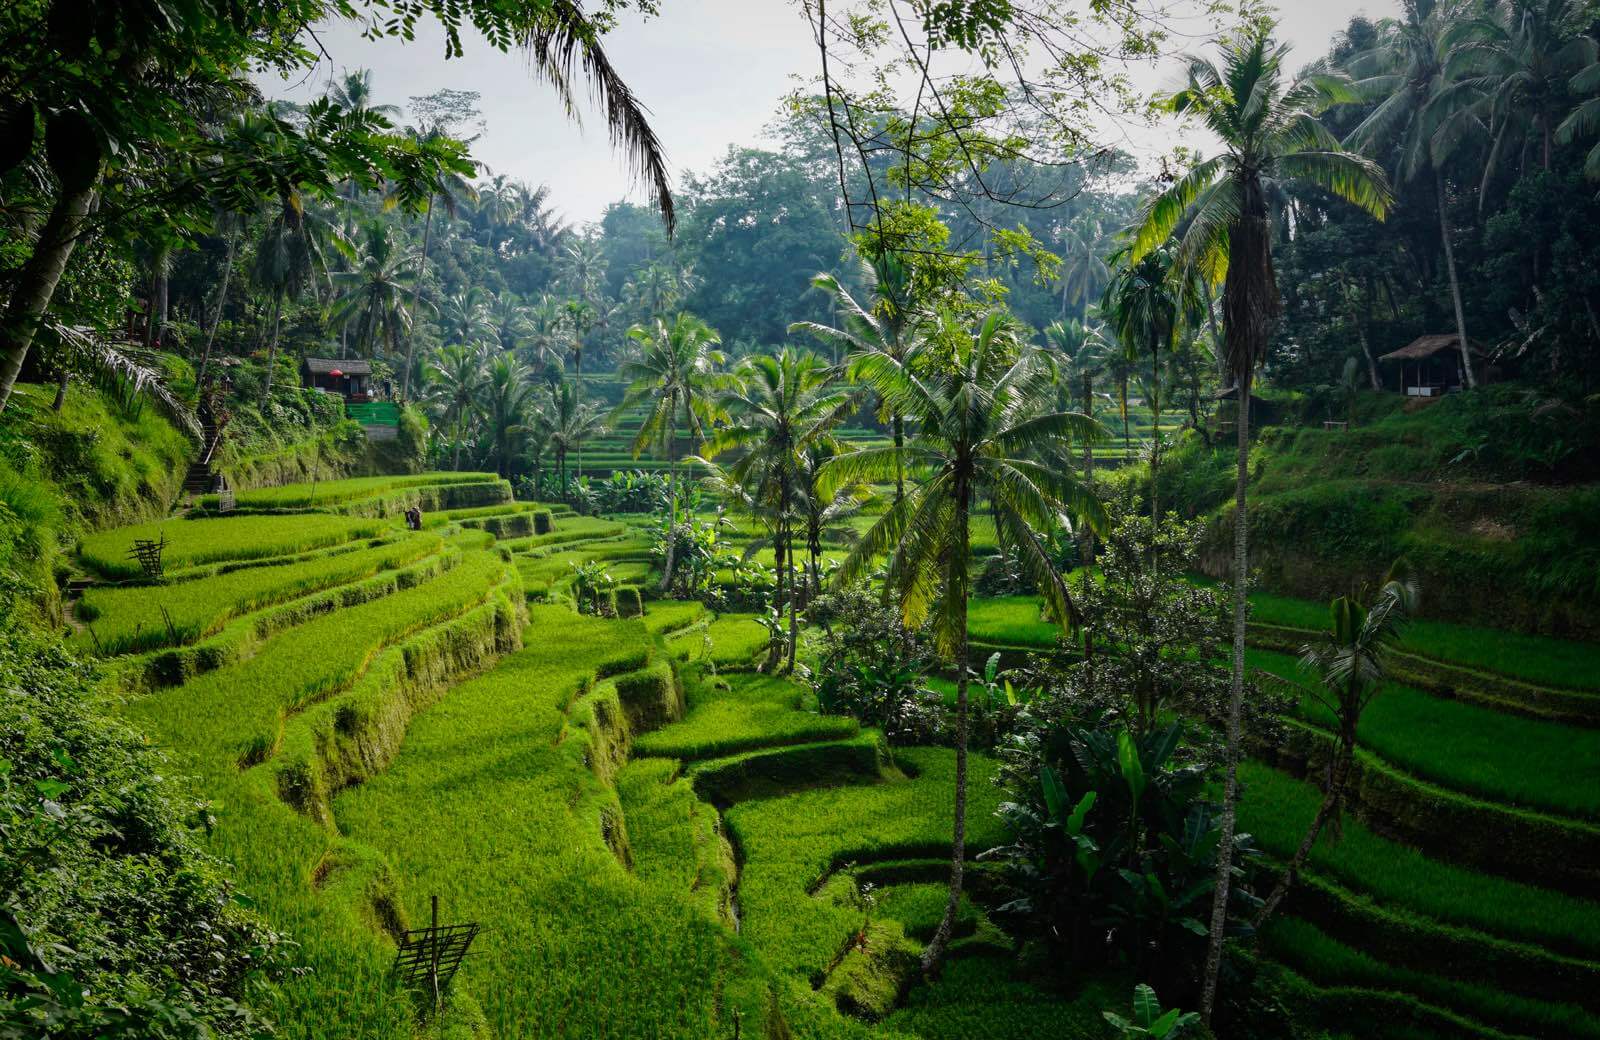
<point>371,298</point>
<point>776,409</point>
<point>826,508</point>
<point>290,258</point>
<point>673,379</point>
<point>1269,129</point>
<point>1584,120</point>
<point>506,390</point>
<point>571,422</point>
<point>546,337</point>
<point>1516,60</point>
<point>1419,120</point>
<point>1351,664</point>
<point>976,407</point>
<point>509,319</point>
<point>464,318</point>
<point>888,324</point>
<point>455,382</point>
<point>1083,353</point>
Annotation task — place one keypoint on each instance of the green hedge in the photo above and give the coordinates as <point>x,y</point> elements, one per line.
<point>1530,846</point>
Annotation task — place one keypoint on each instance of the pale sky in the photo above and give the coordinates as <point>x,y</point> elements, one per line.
<point>711,71</point>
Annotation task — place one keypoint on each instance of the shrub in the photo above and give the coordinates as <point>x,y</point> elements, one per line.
<point>871,667</point>
<point>114,919</point>
<point>629,603</point>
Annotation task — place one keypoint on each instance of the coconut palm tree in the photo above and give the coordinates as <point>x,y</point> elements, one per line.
<point>889,323</point>
<point>504,394</point>
<point>981,429</point>
<point>455,383</point>
<point>371,300</point>
<point>510,319</point>
<point>353,92</point>
<point>777,408</point>
<point>450,190</point>
<point>1584,120</point>
<point>673,378</point>
<point>1351,664</point>
<point>1082,351</point>
<point>1269,130</point>
<point>464,318</point>
<point>571,422</point>
<point>826,509</point>
<point>1516,61</point>
<point>546,338</point>
<point>1420,120</point>
<point>290,258</point>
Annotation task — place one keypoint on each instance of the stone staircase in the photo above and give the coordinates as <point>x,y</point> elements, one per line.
<point>201,479</point>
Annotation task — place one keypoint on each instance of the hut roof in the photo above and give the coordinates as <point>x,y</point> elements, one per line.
<point>350,366</point>
<point>1427,346</point>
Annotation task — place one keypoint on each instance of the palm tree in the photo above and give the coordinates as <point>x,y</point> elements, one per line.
<point>673,377</point>
<point>353,92</point>
<point>464,318</point>
<point>1584,120</point>
<point>571,421</point>
<point>980,424</point>
<point>1269,129</point>
<point>1144,301</point>
<point>1083,353</point>
<point>1516,62</point>
<point>1351,662</point>
<point>373,301</point>
<point>1406,68</point>
<point>504,395</point>
<point>455,381</point>
<point>509,317</point>
<point>289,259</point>
<point>546,337</point>
<point>449,190</point>
<point>826,508</point>
<point>777,408</point>
<point>889,324</point>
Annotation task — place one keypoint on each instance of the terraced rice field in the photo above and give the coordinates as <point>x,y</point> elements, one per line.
<point>659,842</point>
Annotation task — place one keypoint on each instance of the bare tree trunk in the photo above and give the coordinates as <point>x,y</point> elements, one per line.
<point>672,509</point>
<point>1361,322</point>
<point>794,600</point>
<point>1455,282</point>
<point>1088,464</point>
<point>216,317</point>
<point>422,272</point>
<point>61,389</point>
<point>1337,773</point>
<point>1230,789</point>
<point>36,283</point>
<point>272,352</point>
<point>933,955</point>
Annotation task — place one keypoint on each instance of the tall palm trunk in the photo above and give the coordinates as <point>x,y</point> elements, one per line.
<point>422,272</point>
<point>272,351</point>
<point>933,955</point>
<point>216,317</point>
<point>672,508</point>
<point>577,384</point>
<point>1338,775</point>
<point>794,604</point>
<point>1088,463</point>
<point>1361,321</point>
<point>36,282</point>
<point>1455,282</point>
<point>1230,787</point>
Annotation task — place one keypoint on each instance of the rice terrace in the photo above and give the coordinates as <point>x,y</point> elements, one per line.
<point>799,520</point>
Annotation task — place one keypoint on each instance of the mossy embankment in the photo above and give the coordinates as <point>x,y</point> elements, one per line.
<point>1493,496</point>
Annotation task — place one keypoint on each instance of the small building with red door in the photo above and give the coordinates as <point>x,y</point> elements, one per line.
<point>351,379</point>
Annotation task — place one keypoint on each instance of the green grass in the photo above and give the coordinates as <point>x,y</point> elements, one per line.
<point>663,616</point>
<point>129,618</point>
<point>490,805</point>
<point>331,492</point>
<point>734,641</point>
<point>754,711</point>
<point>1010,621</point>
<point>1506,758</point>
<point>1277,808</point>
<point>329,893</point>
<point>194,542</point>
<point>1328,962</point>
<point>1536,659</point>
<point>791,844</point>
<point>979,998</point>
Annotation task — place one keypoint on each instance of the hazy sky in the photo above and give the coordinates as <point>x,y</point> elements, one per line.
<point>712,72</point>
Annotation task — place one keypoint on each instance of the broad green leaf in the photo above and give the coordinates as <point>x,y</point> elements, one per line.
<point>1146,1008</point>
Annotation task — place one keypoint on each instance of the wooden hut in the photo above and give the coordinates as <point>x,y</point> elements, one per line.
<point>1430,365</point>
<point>350,379</point>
